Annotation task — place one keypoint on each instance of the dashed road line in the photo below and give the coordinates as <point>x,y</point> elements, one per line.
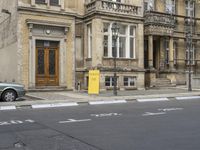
<point>107,102</point>
<point>54,105</point>
<point>74,120</point>
<point>153,99</point>
<point>153,114</point>
<point>7,107</point>
<point>187,97</point>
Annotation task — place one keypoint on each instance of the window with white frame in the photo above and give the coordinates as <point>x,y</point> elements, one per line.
<point>166,47</point>
<point>129,81</point>
<point>190,54</point>
<point>148,5</point>
<point>54,2</point>
<point>189,6</point>
<point>48,2</point>
<point>40,1</point>
<point>125,43</point>
<point>109,81</point>
<point>170,6</point>
<point>89,32</point>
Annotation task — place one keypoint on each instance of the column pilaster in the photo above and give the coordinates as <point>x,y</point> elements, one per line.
<point>150,51</point>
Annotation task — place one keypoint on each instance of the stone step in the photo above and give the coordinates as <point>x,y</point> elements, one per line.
<point>162,82</point>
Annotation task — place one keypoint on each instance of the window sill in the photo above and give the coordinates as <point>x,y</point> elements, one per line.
<point>130,88</point>
<point>111,88</point>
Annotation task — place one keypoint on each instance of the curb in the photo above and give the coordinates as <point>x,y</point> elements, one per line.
<point>98,102</point>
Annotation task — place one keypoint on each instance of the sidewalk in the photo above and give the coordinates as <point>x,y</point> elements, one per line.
<point>35,98</point>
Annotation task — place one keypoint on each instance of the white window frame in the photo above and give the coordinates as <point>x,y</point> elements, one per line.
<point>150,4</point>
<point>47,2</point>
<point>130,79</point>
<point>111,81</point>
<point>188,9</point>
<point>89,44</point>
<point>127,37</point>
<point>170,6</point>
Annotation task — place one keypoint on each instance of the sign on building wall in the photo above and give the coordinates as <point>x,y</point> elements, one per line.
<point>93,86</point>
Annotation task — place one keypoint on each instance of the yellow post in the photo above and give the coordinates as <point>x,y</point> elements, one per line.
<point>94,76</point>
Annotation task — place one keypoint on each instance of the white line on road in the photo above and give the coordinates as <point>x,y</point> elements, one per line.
<point>187,97</point>
<point>107,102</point>
<point>54,105</point>
<point>74,120</point>
<point>15,122</point>
<point>169,109</point>
<point>105,115</point>
<point>153,99</point>
<point>7,107</point>
<point>153,114</point>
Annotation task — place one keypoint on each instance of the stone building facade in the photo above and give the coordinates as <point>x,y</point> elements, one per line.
<point>37,46</point>
<point>98,45</point>
<point>167,53</point>
<point>54,43</point>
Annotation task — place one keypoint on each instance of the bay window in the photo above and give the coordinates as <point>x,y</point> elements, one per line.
<point>125,42</point>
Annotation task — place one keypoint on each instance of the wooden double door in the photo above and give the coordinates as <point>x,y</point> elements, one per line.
<point>47,63</point>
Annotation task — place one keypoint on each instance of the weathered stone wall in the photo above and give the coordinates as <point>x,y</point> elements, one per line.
<point>9,54</point>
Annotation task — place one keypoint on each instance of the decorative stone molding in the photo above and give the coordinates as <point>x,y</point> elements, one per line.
<point>113,7</point>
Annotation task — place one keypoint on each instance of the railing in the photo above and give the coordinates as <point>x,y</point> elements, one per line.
<point>115,7</point>
<point>159,19</point>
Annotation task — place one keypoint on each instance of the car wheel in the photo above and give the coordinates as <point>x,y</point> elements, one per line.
<point>9,96</point>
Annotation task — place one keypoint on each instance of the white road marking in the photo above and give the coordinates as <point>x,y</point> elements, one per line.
<point>169,109</point>
<point>187,97</point>
<point>54,105</point>
<point>152,100</point>
<point>7,107</point>
<point>107,102</point>
<point>105,115</point>
<point>153,114</point>
<point>74,120</point>
<point>15,122</point>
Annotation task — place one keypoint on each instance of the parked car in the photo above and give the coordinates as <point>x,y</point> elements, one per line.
<point>10,91</point>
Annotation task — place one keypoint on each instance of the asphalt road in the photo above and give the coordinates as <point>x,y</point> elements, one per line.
<point>171,125</point>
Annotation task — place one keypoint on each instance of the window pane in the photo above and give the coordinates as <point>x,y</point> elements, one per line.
<point>54,2</point>
<point>40,68</point>
<point>122,47</point>
<point>105,46</point>
<point>107,81</point>
<point>132,31</point>
<point>105,27</point>
<point>122,29</point>
<point>114,49</point>
<point>132,81</point>
<point>52,62</point>
<point>39,1</point>
<point>131,47</point>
